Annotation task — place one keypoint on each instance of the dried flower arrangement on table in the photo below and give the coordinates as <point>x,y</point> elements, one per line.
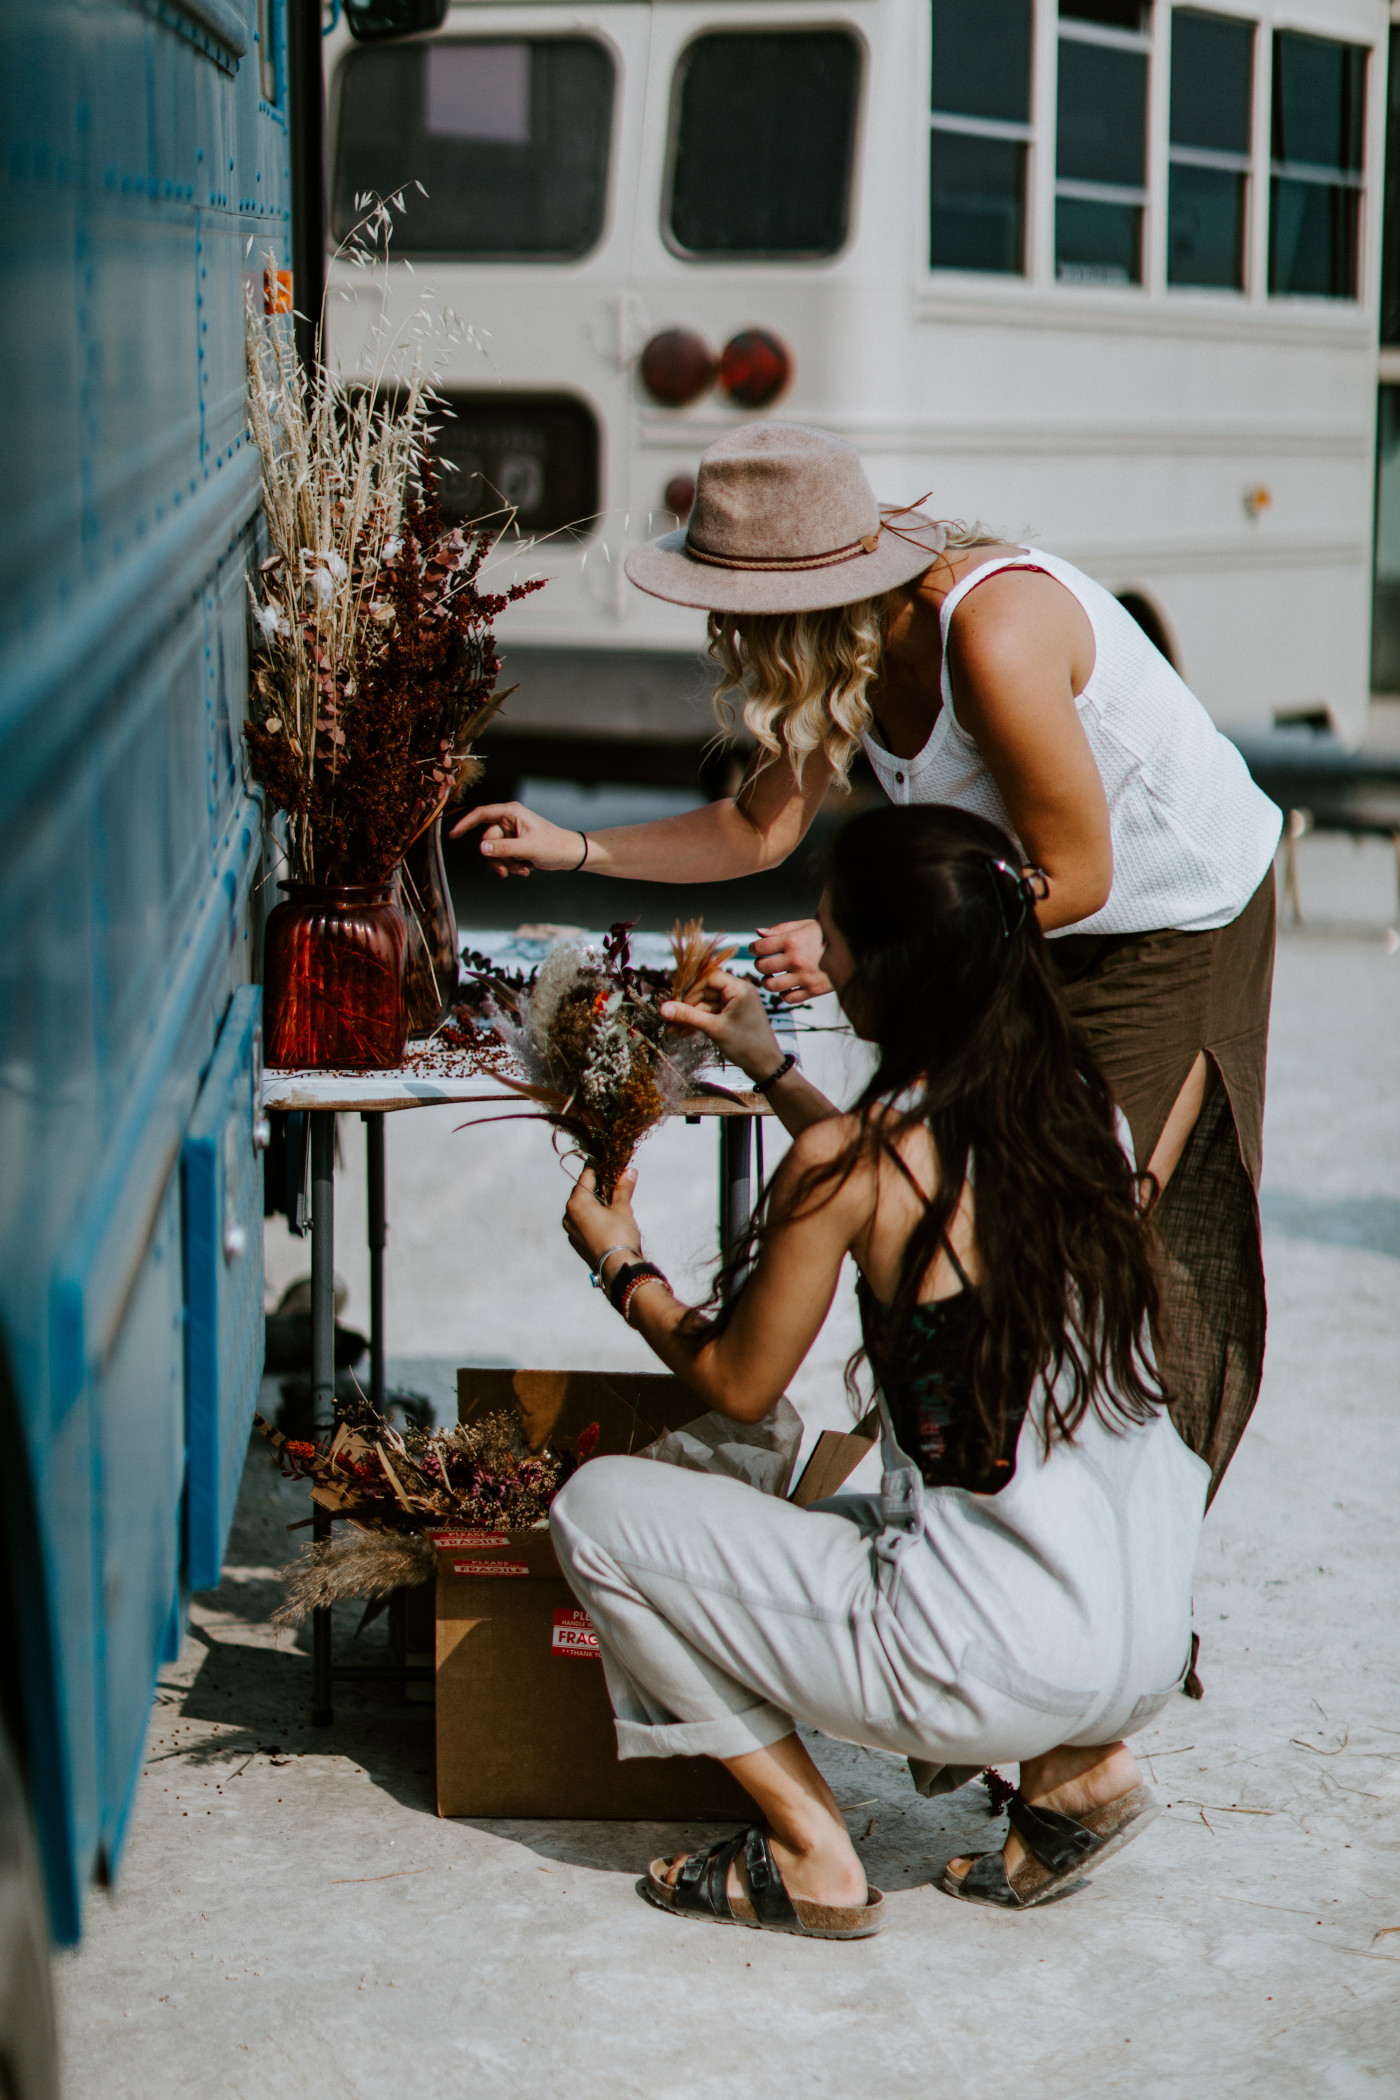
<point>376,666</point>
<point>597,1055</point>
<point>396,1489</point>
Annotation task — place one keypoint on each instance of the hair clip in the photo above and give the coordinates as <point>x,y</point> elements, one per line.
<point>1032,887</point>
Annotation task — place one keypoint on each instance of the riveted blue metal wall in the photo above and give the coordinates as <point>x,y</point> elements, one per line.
<point>143,178</point>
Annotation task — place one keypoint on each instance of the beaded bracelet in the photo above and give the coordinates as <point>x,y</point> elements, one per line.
<point>629,1278</point>
<point>632,1289</point>
<point>622,1277</point>
<point>762,1086</point>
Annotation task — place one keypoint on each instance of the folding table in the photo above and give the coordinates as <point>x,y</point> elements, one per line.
<point>432,1078</point>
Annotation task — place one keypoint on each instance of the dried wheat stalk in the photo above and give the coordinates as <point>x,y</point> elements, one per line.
<point>376,666</point>
<point>355,1563</point>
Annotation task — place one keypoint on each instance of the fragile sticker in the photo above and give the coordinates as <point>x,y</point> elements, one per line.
<point>574,1635</point>
<point>489,1567</point>
<point>470,1538</point>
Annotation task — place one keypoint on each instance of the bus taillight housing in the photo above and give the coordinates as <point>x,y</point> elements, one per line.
<point>755,368</point>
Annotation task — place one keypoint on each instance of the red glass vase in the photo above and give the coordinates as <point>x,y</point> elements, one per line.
<point>333,979</point>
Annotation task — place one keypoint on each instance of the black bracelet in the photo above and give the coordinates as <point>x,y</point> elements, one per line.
<point>583,856</point>
<point>630,1272</point>
<point>763,1086</point>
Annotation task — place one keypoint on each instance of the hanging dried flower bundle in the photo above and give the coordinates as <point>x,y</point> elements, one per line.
<point>376,665</point>
<point>597,1055</point>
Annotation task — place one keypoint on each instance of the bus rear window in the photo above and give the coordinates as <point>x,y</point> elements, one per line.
<point>763,134</point>
<point>509,139</point>
<point>533,456</point>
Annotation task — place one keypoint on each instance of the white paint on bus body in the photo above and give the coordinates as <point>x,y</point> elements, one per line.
<point>1209,450</point>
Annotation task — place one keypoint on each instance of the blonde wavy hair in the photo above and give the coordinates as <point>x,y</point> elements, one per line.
<point>805,677</point>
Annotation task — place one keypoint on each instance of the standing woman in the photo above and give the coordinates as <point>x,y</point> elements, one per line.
<point>1005,682</point>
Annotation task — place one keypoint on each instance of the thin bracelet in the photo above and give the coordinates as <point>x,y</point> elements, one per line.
<point>583,856</point>
<point>762,1086</point>
<point>597,1279</point>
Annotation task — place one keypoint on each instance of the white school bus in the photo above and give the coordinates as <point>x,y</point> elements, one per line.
<point>1103,274</point>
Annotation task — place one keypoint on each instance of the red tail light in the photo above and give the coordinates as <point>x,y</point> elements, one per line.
<point>754,368</point>
<point>678,366</point>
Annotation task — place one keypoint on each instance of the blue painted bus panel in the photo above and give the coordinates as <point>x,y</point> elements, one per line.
<point>223,1196</point>
<point>116,1364</point>
<point>139,1422</point>
<point>143,175</point>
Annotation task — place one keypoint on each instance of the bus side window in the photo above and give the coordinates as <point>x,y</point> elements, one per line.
<point>1212,88</point>
<point>980,135</point>
<point>1316,152</point>
<point>509,138</point>
<point>762,140</point>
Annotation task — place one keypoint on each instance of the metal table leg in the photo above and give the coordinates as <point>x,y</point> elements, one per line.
<point>378,1233</point>
<point>735,1180</point>
<point>322,1372</point>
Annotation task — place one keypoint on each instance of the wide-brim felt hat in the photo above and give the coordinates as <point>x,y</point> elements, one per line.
<point>784,520</point>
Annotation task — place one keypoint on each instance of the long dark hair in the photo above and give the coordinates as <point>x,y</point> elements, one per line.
<point>955,988</point>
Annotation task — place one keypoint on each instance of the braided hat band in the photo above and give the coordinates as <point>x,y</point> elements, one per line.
<point>1029,886</point>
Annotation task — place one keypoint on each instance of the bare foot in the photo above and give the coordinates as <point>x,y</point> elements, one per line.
<point>1070,1782</point>
<point>826,1871</point>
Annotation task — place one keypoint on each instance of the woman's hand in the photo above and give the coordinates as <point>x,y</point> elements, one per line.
<point>592,1226</point>
<point>788,958</point>
<point>514,840</point>
<point>732,1016</point>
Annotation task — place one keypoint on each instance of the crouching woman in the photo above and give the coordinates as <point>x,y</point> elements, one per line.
<point>1020,1591</point>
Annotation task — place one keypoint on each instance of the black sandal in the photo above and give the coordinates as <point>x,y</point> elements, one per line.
<point>701,1890</point>
<point>1058,1850</point>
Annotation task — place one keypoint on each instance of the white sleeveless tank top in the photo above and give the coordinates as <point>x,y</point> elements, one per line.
<point>1193,837</point>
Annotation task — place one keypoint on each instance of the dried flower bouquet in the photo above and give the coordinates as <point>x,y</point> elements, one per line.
<point>597,1055</point>
<point>376,667</point>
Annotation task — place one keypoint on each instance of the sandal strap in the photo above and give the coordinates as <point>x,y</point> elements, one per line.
<point>702,1884</point>
<point>1057,1841</point>
<point>770,1899</point>
<point>986,1879</point>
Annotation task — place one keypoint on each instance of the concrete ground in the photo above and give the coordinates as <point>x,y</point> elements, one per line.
<point>332,1937</point>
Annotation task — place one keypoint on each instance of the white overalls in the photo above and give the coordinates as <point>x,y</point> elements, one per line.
<point>948,1627</point>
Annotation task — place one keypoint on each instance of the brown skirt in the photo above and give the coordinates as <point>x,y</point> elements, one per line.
<point>1148,1004</point>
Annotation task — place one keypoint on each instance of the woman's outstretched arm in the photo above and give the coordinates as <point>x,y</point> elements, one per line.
<point>741,835</point>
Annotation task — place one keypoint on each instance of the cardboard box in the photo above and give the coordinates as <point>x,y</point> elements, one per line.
<point>835,1456</point>
<point>524,1722</point>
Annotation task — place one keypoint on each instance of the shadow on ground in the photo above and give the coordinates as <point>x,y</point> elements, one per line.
<point>1358,1221</point>
<point>904,1841</point>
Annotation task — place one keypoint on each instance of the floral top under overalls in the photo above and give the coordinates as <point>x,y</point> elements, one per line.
<point>930,1397</point>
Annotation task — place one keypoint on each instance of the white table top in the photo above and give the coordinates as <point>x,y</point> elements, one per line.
<point>431,1076</point>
